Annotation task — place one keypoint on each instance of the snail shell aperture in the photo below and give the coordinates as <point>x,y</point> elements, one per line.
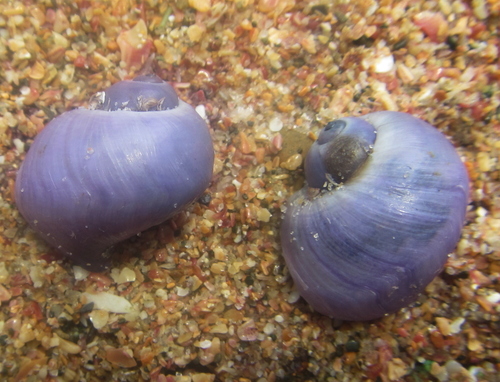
<point>94,177</point>
<point>384,206</point>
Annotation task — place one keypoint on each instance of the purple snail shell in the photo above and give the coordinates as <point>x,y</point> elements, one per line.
<point>94,177</point>
<point>384,205</point>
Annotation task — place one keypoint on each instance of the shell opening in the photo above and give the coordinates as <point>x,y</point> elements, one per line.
<point>342,148</point>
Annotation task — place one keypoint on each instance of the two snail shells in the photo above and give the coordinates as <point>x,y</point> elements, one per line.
<point>94,177</point>
<point>384,205</point>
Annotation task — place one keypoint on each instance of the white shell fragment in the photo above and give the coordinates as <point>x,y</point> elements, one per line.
<point>275,124</point>
<point>202,112</point>
<point>383,64</point>
<point>80,273</point>
<point>109,302</point>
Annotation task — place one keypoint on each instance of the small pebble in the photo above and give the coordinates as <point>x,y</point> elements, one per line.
<point>352,346</point>
<point>383,64</point>
<point>87,308</point>
<point>247,331</point>
<point>200,5</point>
<point>293,162</point>
<point>455,326</point>
<point>269,328</point>
<point>205,344</point>
<point>19,145</point>
<point>263,215</point>
<point>181,292</point>
<point>205,199</point>
<point>275,124</point>
<point>293,297</point>
<point>80,273</point>
<point>124,276</point>
<point>195,33</point>
<point>99,318</point>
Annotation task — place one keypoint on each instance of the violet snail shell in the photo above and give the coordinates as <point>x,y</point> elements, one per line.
<point>384,205</point>
<point>94,177</point>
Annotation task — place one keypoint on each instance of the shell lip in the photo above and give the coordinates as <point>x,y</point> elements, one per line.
<point>331,130</point>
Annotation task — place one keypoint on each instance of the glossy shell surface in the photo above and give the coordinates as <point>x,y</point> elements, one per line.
<point>93,178</point>
<point>370,245</point>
